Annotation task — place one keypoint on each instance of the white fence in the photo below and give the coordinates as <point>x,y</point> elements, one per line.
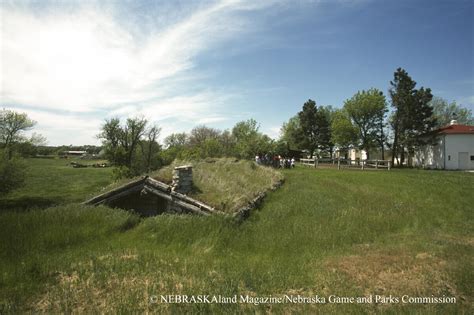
<point>347,163</point>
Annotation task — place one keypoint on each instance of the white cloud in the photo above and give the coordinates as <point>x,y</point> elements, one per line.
<point>199,108</point>
<point>86,61</point>
<point>65,128</point>
<point>273,132</point>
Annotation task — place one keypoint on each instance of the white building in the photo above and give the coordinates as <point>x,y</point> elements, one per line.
<point>356,154</point>
<point>454,149</point>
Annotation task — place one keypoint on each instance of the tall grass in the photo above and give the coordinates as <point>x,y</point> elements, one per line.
<point>38,242</point>
<point>324,232</point>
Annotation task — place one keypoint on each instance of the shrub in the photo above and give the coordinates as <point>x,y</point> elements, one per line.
<point>12,174</point>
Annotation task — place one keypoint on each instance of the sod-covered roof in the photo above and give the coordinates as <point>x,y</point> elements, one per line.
<point>226,184</point>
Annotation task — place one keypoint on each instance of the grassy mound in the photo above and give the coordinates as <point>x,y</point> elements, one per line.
<point>225,184</point>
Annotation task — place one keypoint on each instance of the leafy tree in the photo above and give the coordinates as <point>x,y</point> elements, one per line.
<point>121,142</point>
<point>202,142</point>
<point>227,141</point>
<point>413,114</point>
<point>381,135</point>
<point>176,140</point>
<point>30,147</point>
<point>12,125</point>
<point>200,134</point>
<point>315,127</point>
<point>309,127</point>
<point>343,132</point>
<point>111,135</point>
<point>243,141</point>
<point>367,109</point>
<point>292,134</point>
<point>327,113</point>
<point>150,147</point>
<point>131,135</point>
<point>445,112</point>
<point>211,148</point>
<point>247,138</point>
<point>281,147</point>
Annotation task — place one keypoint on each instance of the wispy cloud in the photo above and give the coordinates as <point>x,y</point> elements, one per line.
<point>199,108</point>
<point>87,61</point>
<point>66,128</point>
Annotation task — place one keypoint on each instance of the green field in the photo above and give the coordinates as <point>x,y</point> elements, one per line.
<point>324,232</point>
<point>54,181</point>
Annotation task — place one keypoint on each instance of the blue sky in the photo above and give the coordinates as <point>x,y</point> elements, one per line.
<point>70,65</point>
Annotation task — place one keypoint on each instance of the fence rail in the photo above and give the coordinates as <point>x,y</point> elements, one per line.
<point>347,163</point>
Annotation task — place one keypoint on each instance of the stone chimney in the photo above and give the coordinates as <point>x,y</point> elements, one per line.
<point>182,179</point>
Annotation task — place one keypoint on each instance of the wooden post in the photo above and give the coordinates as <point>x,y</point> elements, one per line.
<point>338,164</point>
<point>362,163</point>
<point>376,164</point>
<point>315,162</point>
<point>389,165</point>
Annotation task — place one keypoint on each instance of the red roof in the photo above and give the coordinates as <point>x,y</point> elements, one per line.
<point>456,129</point>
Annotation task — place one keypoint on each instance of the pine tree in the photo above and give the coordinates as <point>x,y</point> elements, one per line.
<point>413,114</point>
<point>315,127</point>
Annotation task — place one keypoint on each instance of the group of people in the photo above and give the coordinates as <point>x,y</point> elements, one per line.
<point>276,161</point>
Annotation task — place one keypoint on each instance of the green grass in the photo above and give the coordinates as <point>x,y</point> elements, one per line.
<point>54,181</point>
<point>349,233</point>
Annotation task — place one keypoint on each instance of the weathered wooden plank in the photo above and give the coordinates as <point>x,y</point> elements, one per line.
<point>162,186</point>
<point>122,190</point>
<point>158,184</point>
<point>189,207</point>
<point>157,192</point>
<point>116,196</point>
<point>193,201</point>
<point>155,187</point>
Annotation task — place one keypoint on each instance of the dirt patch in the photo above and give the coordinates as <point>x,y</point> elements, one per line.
<point>396,273</point>
<point>457,240</point>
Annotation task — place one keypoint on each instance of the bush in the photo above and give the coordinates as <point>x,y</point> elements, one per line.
<point>12,174</point>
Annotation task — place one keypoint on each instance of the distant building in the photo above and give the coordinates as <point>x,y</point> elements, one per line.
<point>453,149</point>
<point>356,154</point>
<point>75,153</point>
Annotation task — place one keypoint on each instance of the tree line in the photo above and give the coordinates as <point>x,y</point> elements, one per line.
<point>366,121</point>
<point>133,145</point>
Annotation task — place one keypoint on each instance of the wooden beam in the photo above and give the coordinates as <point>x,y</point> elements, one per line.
<point>193,202</point>
<point>157,192</point>
<point>157,184</point>
<point>166,188</point>
<point>121,191</point>
<point>189,207</point>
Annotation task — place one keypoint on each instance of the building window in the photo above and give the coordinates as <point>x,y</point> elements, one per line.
<point>449,157</point>
<point>472,157</point>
